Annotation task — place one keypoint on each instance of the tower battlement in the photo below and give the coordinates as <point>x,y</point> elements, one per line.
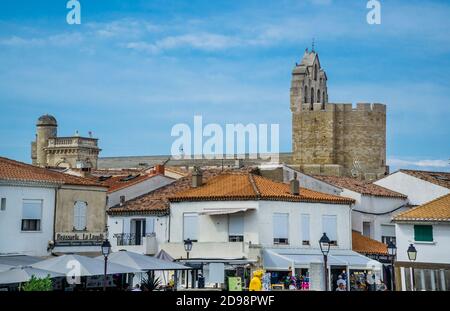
<point>348,137</point>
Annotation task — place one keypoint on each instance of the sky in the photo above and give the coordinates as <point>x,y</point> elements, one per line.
<point>133,69</point>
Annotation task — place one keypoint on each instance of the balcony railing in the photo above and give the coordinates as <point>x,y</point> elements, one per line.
<point>128,239</point>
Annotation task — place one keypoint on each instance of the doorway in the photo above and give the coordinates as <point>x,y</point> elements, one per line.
<point>137,230</point>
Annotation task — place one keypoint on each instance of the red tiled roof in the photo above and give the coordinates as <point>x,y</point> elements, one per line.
<point>438,178</point>
<point>248,186</point>
<point>360,186</point>
<point>365,245</point>
<point>157,200</point>
<point>435,210</point>
<point>17,171</point>
<point>115,183</point>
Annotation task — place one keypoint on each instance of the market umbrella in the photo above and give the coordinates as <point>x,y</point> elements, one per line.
<point>24,273</point>
<point>163,255</point>
<point>87,266</point>
<point>142,262</point>
<point>5,267</point>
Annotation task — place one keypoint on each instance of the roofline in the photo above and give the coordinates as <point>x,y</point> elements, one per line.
<point>344,201</point>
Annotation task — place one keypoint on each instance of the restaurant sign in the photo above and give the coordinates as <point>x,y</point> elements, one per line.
<point>79,238</point>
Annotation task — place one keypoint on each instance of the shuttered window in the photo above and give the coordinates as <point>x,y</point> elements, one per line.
<point>31,215</point>
<point>304,223</point>
<point>423,233</point>
<point>280,228</point>
<point>79,215</point>
<point>329,226</point>
<point>190,226</point>
<point>236,227</point>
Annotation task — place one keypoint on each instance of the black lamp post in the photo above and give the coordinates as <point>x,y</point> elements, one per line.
<point>412,255</point>
<point>106,250</point>
<point>187,248</point>
<point>324,244</point>
<point>392,251</point>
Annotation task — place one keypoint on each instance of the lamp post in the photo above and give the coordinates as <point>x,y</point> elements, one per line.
<point>106,250</point>
<point>412,255</point>
<point>187,248</point>
<point>392,251</point>
<point>324,244</point>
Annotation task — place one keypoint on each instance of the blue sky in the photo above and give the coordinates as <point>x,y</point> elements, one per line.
<point>133,69</point>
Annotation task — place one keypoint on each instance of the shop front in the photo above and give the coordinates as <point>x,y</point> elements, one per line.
<point>303,269</point>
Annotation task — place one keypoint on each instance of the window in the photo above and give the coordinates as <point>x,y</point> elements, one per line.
<point>280,228</point>
<point>318,96</point>
<point>236,228</point>
<point>3,204</point>
<point>329,226</point>
<point>315,72</point>
<point>190,226</point>
<point>31,215</point>
<point>305,229</point>
<point>79,215</point>
<point>366,228</point>
<point>423,233</point>
<point>312,96</point>
<point>306,94</point>
<point>388,234</point>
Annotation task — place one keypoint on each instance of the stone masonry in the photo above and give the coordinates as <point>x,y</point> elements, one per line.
<point>334,139</point>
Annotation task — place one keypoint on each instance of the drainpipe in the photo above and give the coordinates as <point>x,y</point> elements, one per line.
<point>54,216</point>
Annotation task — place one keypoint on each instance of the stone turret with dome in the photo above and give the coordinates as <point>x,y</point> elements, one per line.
<point>49,150</point>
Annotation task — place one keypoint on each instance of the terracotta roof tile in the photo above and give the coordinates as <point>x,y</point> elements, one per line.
<point>438,178</point>
<point>360,186</point>
<point>365,245</point>
<point>115,183</point>
<point>157,200</point>
<point>248,186</point>
<point>17,171</point>
<point>436,210</point>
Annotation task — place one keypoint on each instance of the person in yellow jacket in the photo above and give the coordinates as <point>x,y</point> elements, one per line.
<point>255,283</point>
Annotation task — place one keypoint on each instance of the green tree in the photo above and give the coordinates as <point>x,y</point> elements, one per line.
<point>38,285</point>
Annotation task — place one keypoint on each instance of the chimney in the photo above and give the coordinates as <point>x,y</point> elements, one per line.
<point>295,185</point>
<point>197,176</point>
<point>122,200</point>
<point>238,163</point>
<point>159,169</point>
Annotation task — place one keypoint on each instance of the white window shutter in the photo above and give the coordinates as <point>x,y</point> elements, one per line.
<point>329,226</point>
<point>32,209</point>
<point>236,224</point>
<point>79,215</point>
<point>280,226</point>
<point>190,226</point>
<point>305,227</point>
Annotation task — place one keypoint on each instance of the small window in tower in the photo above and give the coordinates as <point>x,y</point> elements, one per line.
<point>318,96</point>
<point>306,94</point>
<point>312,95</point>
<point>315,72</point>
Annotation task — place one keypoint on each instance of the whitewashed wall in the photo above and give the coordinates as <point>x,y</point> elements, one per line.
<point>258,223</point>
<point>15,241</point>
<point>138,189</point>
<point>418,191</point>
<point>437,251</point>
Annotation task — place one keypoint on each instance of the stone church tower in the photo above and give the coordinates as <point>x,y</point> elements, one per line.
<point>48,150</point>
<point>334,139</point>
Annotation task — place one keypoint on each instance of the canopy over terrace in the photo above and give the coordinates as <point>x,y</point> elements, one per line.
<point>288,259</point>
<point>143,262</point>
<point>24,274</point>
<point>87,266</point>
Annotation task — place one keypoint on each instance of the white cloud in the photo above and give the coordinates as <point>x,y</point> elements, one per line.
<point>424,164</point>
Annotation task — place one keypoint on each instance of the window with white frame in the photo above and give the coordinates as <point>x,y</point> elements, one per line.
<point>190,226</point>
<point>3,204</point>
<point>280,228</point>
<point>236,227</point>
<point>304,223</point>
<point>388,234</point>
<point>31,215</point>
<point>329,226</point>
<point>79,216</point>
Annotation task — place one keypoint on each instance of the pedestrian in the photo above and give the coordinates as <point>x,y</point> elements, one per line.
<point>341,287</point>
<point>137,288</point>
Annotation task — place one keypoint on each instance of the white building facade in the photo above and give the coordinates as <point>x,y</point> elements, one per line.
<point>26,218</point>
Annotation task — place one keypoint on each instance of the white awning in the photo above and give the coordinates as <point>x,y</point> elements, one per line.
<point>223,211</point>
<point>283,259</point>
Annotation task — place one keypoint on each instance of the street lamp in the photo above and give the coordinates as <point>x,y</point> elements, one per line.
<point>412,255</point>
<point>106,250</point>
<point>392,251</point>
<point>188,248</point>
<point>324,244</point>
